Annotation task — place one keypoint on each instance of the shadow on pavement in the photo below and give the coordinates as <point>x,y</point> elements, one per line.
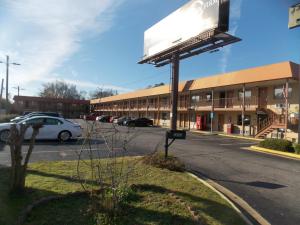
<point>65,143</point>
<point>259,184</point>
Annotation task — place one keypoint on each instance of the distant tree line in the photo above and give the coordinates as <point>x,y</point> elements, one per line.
<point>61,89</point>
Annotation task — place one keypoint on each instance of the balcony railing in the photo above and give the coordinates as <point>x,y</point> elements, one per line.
<point>219,103</point>
<point>224,103</point>
<point>164,105</point>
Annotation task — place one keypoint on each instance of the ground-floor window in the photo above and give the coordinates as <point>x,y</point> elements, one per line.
<point>164,116</point>
<point>247,120</point>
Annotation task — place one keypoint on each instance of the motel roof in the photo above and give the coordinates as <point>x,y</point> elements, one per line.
<point>282,70</point>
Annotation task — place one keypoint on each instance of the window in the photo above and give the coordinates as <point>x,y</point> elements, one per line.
<point>247,120</point>
<point>195,99</point>
<point>278,92</point>
<point>50,121</point>
<point>248,94</point>
<point>164,116</point>
<point>35,121</point>
<point>208,97</point>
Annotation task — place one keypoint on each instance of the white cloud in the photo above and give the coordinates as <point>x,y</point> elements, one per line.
<point>235,15</point>
<point>43,34</point>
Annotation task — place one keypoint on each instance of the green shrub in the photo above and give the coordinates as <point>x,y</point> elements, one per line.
<point>297,148</point>
<point>7,118</point>
<point>277,144</point>
<point>158,160</point>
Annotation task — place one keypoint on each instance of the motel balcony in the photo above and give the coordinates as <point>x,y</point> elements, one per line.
<point>227,104</point>
<point>152,106</point>
<point>164,106</point>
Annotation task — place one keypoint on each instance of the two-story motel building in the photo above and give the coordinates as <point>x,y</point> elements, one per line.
<point>218,103</point>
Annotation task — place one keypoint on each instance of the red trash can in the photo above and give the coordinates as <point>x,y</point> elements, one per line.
<point>229,128</point>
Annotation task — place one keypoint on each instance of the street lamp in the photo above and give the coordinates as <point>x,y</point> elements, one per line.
<point>7,74</point>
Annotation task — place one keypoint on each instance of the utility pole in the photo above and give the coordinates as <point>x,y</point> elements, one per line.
<point>7,76</point>
<point>18,88</point>
<point>7,69</point>
<point>1,92</point>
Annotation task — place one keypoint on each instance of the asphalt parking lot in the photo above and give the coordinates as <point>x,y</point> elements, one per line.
<point>268,183</point>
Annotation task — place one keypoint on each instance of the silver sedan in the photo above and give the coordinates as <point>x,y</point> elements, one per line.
<point>53,128</point>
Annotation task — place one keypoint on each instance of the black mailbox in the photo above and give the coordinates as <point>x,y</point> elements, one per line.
<point>176,134</point>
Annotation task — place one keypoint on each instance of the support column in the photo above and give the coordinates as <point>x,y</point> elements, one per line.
<point>137,107</point>
<point>147,106</point>
<point>129,108</point>
<point>243,111</point>
<point>174,96</point>
<point>286,106</point>
<point>189,107</point>
<point>212,110</point>
<point>158,110</point>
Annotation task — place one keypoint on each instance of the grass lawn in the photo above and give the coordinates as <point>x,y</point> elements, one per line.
<point>152,205</point>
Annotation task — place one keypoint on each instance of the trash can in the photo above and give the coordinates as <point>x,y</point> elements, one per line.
<point>229,128</point>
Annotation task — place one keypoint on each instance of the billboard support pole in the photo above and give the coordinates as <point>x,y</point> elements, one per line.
<point>174,99</point>
<point>174,96</point>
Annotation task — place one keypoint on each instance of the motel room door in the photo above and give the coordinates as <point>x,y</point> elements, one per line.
<point>221,121</point>
<point>262,97</point>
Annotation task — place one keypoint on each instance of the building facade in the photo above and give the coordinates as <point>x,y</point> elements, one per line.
<point>69,108</point>
<point>219,103</point>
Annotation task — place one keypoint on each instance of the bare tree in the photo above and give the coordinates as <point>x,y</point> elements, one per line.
<point>109,176</point>
<point>18,167</point>
<point>102,93</point>
<point>60,89</point>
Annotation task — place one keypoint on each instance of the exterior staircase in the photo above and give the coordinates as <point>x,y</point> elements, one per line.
<point>271,123</point>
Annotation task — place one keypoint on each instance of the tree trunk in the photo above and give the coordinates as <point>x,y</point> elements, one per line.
<point>18,171</point>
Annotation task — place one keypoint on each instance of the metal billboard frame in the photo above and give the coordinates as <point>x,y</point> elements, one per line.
<point>205,42</point>
<point>208,41</point>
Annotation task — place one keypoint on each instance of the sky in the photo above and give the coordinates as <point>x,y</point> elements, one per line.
<point>97,43</point>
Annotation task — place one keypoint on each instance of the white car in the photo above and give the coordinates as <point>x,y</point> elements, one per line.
<point>53,128</point>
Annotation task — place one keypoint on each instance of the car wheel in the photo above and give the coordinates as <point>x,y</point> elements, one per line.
<point>4,135</point>
<point>64,135</point>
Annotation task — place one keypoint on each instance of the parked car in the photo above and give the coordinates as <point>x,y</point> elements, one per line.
<point>104,119</point>
<point>26,113</point>
<point>139,122</point>
<point>113,118</point>
<point>53,128</point>
<point>29,115</point>
<point>91,116</point>
<point>120,120</point>
<point>126,120</point>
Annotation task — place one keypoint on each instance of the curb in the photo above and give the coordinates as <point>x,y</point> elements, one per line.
<point>225,135</point>
<point>202,132</point>
<point>275,152</point>
<point>241,137</point>
<point>233,200</point>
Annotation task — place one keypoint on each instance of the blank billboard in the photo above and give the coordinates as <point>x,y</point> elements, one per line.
<point>189,21</point>
<point>294,16</point>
